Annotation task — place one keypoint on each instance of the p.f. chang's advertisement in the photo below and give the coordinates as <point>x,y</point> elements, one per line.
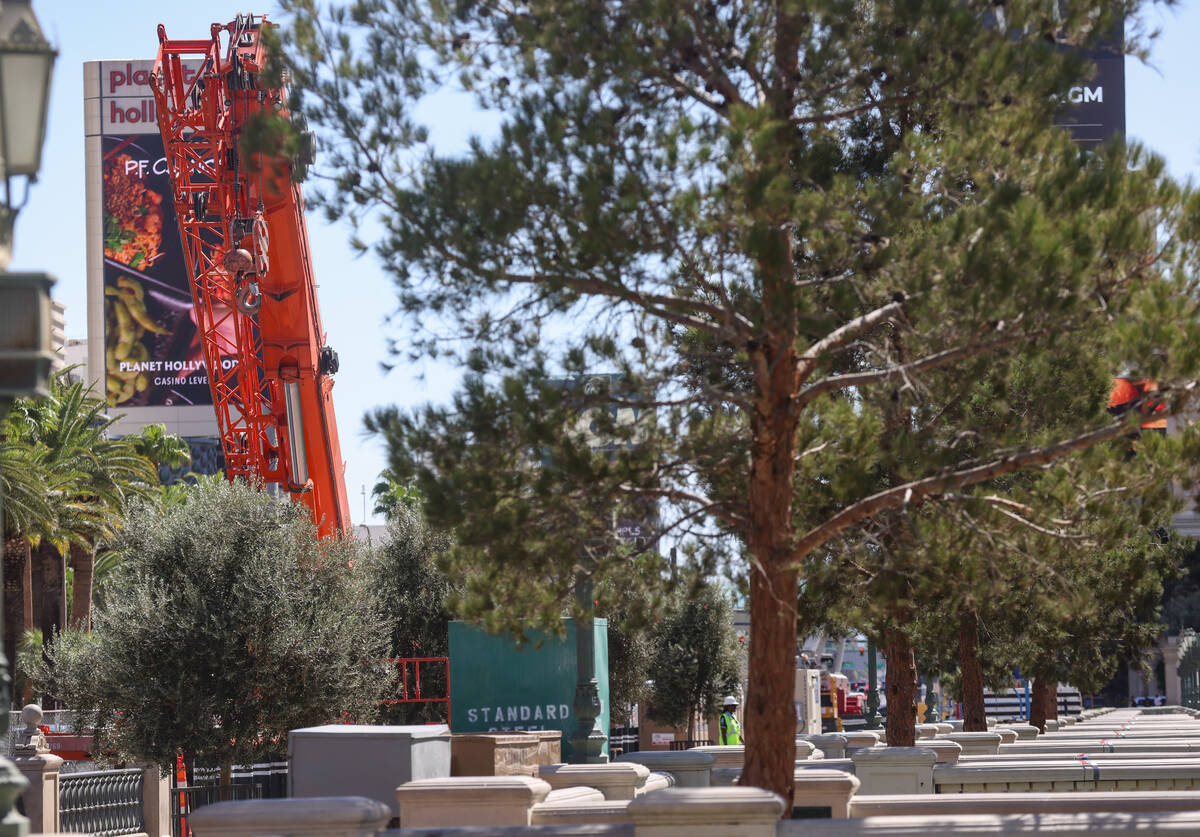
<point>152,349</point>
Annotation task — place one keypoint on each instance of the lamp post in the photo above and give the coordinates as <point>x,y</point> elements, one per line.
<point>872,686</point>
<point>26,63</point>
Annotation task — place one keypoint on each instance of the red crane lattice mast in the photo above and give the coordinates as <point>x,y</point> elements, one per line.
<point>241,219</point>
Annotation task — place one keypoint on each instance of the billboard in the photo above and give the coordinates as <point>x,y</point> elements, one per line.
<point>143,345</point>
<point>151,344</point>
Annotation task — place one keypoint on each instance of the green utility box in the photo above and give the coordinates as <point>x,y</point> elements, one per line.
<point>496,685</point>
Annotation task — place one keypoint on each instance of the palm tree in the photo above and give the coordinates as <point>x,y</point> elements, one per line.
<point>391,495</point>
<point>90,481</point>
<point>163,449</point>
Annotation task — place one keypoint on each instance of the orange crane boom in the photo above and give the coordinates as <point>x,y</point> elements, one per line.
<point>241,219</point>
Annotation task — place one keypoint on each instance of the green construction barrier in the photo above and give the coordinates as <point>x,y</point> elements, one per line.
<point>497,685</point>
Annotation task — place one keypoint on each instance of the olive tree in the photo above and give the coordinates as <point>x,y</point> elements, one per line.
<point>229,623</point>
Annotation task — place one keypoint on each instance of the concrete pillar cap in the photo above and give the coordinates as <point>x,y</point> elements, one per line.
<point>612,772</point>
<point>836,781</point>
<point>821,739</point>
<point>666,759</point>
<point>349,815</point>
<point>509,788</point>
<point>974,736</point>
<point>1023,731</point>
<point>706,806</point>
<point>947,751</point>
<point>919,755</point>
<point>860,738</point>
<point>804,749</point>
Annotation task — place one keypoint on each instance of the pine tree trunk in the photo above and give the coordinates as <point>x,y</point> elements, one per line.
<point>974,710</point>
<point>1052,702</point>
<point>1037,702</point>
<point>901,685</point>
<point>83,562</point>
<point>770,715</point>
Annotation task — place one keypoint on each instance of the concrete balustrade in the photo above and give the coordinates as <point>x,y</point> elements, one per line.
<point>1090,755</point>
<point>807,750</point>
<point>944,727</point>
<point>724,755</point>
<point>314,816</point>
<point>615,780</point>
<point>975,743</point>
<point>945,751</point>
<point>1073,775</point>
<point>690,768</point>
<point>927,730</point>
<point>1023,803</point>
<point>657,781</point>
<point>707,812</point>
<point>832,744</point>
<point>823,793</point>
<point>987,825</point>
<point>845,765</point>
<point>723,777</point>
<point>860,739</point>
<point>1065,746</point>
<point>587,813</point>
<point>578,806</point>
<point>1025,732</point>
<point>1007,736</point>
<point>469,800</point>
<point>563,797</point>
<point>895,770</point>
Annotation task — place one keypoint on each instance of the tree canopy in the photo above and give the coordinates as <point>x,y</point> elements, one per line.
<point>229,623</point>
<point>784,225</point>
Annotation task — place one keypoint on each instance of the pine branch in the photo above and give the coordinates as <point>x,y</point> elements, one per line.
<point>839,382</point>
<point>918,491</point>
<point>847,333</point>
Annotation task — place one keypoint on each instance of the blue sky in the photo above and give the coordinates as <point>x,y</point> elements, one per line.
<point>354,294</point>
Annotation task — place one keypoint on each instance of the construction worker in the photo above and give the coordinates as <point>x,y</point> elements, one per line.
<point>731,730</point>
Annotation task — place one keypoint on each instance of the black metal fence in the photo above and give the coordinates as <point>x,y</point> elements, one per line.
<point>270,776</point>
<point>689,743</point>
<point>186,800</point>
<point>106,803</point>
<point>622,740</point>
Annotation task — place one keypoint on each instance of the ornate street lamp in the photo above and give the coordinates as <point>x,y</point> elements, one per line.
<point>26,62</point>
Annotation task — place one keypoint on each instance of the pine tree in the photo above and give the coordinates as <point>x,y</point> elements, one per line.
<point>839,200</point>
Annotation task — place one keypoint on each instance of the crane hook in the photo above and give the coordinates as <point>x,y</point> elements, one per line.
<point>248,299</point>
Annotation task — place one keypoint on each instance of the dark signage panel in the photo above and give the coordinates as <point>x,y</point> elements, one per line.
<point>1096,109</point>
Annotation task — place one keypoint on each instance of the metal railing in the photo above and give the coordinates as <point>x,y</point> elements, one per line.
<point>410,681</point>
<point>186,800</point>
<point>689,743</point>
<point>105,803</point>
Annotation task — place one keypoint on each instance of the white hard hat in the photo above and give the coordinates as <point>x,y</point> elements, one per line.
<point>730,700</point>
